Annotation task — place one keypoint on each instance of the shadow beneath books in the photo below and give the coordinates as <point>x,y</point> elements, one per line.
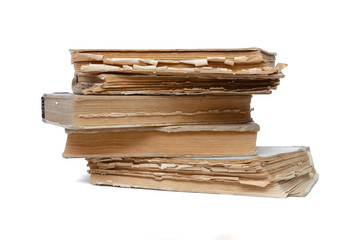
<point>84,179</point>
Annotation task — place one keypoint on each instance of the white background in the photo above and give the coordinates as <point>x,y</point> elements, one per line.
<point>318,104</point>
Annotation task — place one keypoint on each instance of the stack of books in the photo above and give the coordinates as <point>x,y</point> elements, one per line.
<point>177,120</point>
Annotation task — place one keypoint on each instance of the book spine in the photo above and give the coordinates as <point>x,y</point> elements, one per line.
<point>42,108</point>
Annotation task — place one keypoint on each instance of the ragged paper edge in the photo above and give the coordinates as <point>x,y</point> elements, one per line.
<point>308,189</point>
<point>175,113</point>
<point>204,170</point>
<point>280,66</point>
<point>238,127</point>
<point>165,70</point>
<point>188,186</point>
<point>279,191</point>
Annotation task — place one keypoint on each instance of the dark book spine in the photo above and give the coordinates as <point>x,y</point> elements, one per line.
<point>42,108</point>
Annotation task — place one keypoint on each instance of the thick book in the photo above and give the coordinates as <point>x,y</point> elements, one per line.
<point>203,62</point>
<point>171,141</point>
<point>274,172</point>
<point>88,112</point>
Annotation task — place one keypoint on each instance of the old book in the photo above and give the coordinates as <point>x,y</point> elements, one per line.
<point>170,141</point>
<point>88,112</point>
<point>274,172</point>
<point>203,62</point>
<point>128,84</point>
